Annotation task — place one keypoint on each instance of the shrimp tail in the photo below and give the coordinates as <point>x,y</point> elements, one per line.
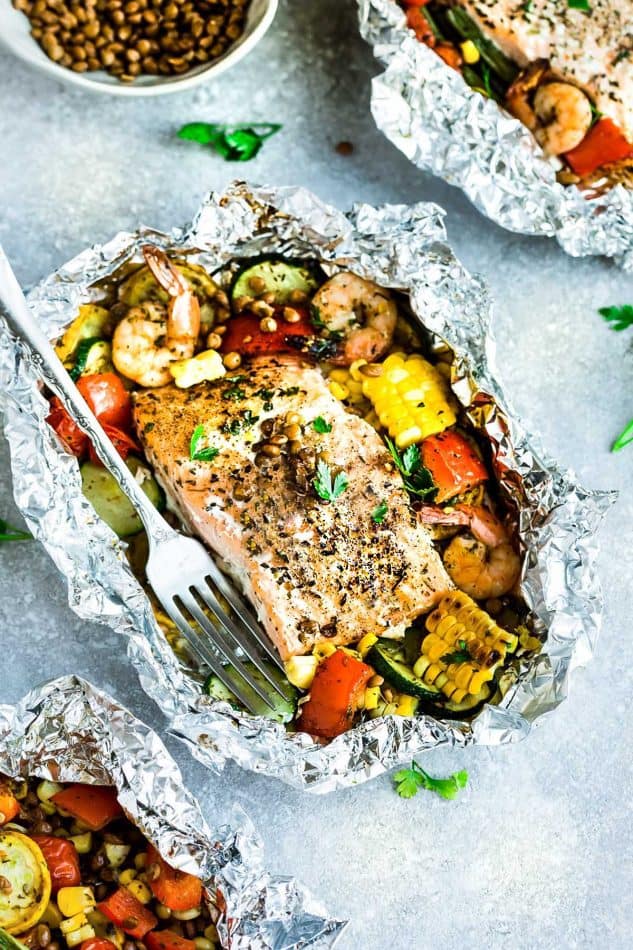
<point>168,276</point>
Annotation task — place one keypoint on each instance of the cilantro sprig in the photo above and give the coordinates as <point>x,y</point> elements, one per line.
<point>9,533</point>
<point>321,426</point>
<point>417,479</point>
<point>196,454</point>
<point>624,437</point>
<point>327,488</point>
<point>461,655</point>
<point>235,143</point>
<point>408,782</point>
<point>379,513</point>
<point>583,5</point>
<point>618,318</point>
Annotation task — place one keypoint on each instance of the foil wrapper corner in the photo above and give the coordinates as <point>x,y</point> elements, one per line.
<point>443,126</point>
<point>398,246</point>
<point>69,731</point>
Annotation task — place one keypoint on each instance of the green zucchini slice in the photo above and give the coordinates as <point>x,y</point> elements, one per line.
<point>279,277</point>
<point>92,356</point>
<point>387,658</point>
<point>102,491</point>
<point>283,711</point>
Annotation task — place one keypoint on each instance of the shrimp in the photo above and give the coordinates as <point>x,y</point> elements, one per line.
<point>485,564</point>
<point>519,95</point>
<point>150,336</point>
<point>361,312</point>
<point>564,115</point>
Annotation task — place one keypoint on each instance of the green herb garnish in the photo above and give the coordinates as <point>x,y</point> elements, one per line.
<point>9,533</point>
<point>320,425</point>
<point>624,437</point>
<point>236,393</point>
<point>235,143</point>
<point>237,425</point>
<point>579,5</point>
<point>461,655</point>
<point>201,455</point>
<point>325,488</point>
<point>417,479</point>
<point>619,318</point>
<point>408,782</point>
<point>379,512</point>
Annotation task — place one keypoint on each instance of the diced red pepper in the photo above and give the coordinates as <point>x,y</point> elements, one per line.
<point>95,805</point>
<point>124,910</point>
<point>177,890</point>
<point>450,54</point>
<point>244,334</point>
<point>62,860</point>
<point>75,440</point>
<point>123,443</point>
<point>98,943</point>
<point>167,940</point>
<point>9,805</point>
<point>604,143</point>
<point>420,26</point>
<point>414,3</point>
<point>453,463</point>
<point>338,685</point>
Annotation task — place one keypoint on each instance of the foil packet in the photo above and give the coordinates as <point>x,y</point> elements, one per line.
<point>397,246</point>
<point>428,111</point>
<point>69,731</point>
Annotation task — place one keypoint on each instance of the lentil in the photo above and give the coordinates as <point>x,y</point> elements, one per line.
<point>268,325</point>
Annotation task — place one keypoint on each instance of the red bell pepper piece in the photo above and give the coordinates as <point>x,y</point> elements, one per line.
<point>9,805</point>
<point>95,805</point>
<point>453,463</point>
<point>167,940</point>
<point>338,685</point>
<point>245,336</point>
<point>177,890</point>
<point>450,54</point>
<point>123,443</point>
<point>62,860</point>
<point>75,440</point>
<point>98,943</point>
<point>124,910</point>
<point>420,26</point>
<point>604,143</point>
<point>108,398</point>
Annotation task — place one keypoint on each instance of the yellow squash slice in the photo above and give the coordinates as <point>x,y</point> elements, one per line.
<point>26,888</point>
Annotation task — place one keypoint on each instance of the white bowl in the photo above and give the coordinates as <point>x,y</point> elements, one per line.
<point>15,35</point>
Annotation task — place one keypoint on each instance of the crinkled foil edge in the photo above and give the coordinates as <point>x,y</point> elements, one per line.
<point>398,246</point>
<point>427,111</point>
<point>67,730</point>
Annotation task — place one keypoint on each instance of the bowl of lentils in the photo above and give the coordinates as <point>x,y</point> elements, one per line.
<point>134,47</point>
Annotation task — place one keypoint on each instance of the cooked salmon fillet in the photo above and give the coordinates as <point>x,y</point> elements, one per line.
<point>594,49</point>
<point>314,569</point>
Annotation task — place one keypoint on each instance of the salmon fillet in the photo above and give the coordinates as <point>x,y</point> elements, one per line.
<point>593,50</point>
<point>313,569</point>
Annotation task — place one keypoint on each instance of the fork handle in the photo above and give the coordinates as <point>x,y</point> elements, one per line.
<point>54,374</point>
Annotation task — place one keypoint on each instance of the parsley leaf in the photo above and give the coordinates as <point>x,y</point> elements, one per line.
<point>624,438</point>
<point>240,423</point>
<point>201,455</point>
<point>461,655</point>
<point>579,5</point>
<point>320,425</point>
<point>409,781</point>
<point>325,488</point>
<point>379,512</point>
<point>235,143</point>
<point>417,479</point>
<point>620,318</point>
<point>9,533</point>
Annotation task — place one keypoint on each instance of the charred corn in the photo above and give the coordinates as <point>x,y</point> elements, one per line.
<point>410,398</point>
<point>463,647</point>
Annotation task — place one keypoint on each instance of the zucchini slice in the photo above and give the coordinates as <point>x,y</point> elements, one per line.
<point>7,942</point>
<point>387,658</point>
<point>93,322</point>
<point>280,277</point>
<point>23,867</point>
<point>109,502</point>
<point>92,356</point>
<point>468,706</point>
<point>142,286</point>
<point>283,711</point>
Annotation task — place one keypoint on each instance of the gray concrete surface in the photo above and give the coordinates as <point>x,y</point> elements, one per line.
<point>537,852</point>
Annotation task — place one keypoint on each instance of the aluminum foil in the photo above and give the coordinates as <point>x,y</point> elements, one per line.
<point>398,246</point>
<point>427,110</point>
<point>68,731</point>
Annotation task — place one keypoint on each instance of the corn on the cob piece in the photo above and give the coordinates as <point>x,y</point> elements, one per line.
<point>410,398</point>
<point>456,620</point>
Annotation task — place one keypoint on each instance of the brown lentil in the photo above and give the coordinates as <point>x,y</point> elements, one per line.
<point>83,37</point>
<point>257,284</point>
<point>293,432</point>
<point>43,935</point>
<point>297,296</point>
<point>271,450</point>
<point>232,360</point>
<point>291,315</point>
<point>243,303</point>
<point>371,369</point>
<point>214,340</point>
<point>268,325</point>
<point>261,309</point>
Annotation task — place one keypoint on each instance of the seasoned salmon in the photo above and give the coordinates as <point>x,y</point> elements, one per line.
<point>314,569</point>
<point>593,50</point>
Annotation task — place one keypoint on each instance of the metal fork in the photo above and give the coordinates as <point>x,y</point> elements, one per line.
<point>184,577</point>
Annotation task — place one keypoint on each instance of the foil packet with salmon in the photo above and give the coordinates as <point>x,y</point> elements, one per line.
<point>103,848</point>
<point>526,106</point>
<point>311,394</point>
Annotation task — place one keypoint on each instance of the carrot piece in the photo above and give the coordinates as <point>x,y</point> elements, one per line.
<point>62,860</point>
<point>124,910</point>
<point>450,54</point>
<point>338,685</point>
<point>420,26</point>
<point>453,463</point>
<point>177,890</point>
<point>604,143</point>
<point>9,805</point>
<point>95,805</point>
<point>167,940</point>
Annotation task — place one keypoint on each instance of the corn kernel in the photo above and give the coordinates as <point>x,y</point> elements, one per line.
<point>75,900</point>
<point>339,376</point>
<point>78,936</point>
<point>355,372</point>
<point>339,391</point>
<point>140,890</point>
<point>126,877</point>
<point>321,650</point>
<point>372,697</point>
<point>469,52</point>
<point>300,670</point>
<point>82,843</point>
<point>73,923</point>
<point>140,860</point>
<point>186,914</point>
<point>407,705</point>
<point>366,643</point>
